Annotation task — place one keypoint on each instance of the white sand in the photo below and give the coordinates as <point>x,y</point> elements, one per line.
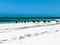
<point>41,35</point>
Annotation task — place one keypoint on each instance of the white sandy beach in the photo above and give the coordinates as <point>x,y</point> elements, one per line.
<point>30,33</point>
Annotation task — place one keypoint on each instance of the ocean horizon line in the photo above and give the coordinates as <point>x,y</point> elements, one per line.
<point>29,17</point>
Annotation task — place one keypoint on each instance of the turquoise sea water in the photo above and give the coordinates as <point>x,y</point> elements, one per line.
<point>22,19</point>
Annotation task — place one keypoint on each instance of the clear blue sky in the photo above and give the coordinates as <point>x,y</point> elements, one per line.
<point>30,7</point>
